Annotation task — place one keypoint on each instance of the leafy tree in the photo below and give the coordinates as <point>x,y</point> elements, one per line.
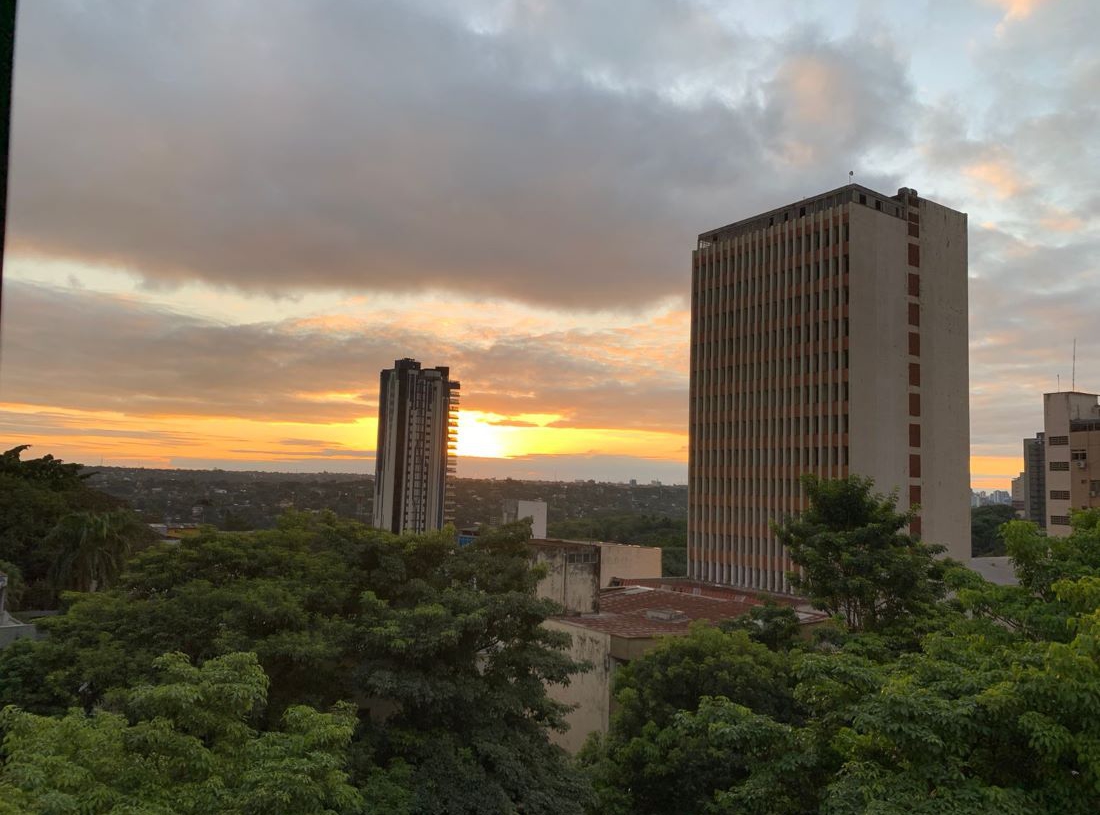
<point>185,746</point>
<point>92,547</point>
<point>856,560</point>
<point>771,624</point>
<point>985,529</point>
<point>656,758</point>
<point>441,650</point>
<point>47,471</point>
<point>34,496</point>
<point>1033,608</point>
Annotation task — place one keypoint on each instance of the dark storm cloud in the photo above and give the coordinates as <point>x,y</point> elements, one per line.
<point>280,145</point>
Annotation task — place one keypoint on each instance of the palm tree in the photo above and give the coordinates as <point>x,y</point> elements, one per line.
<point>92,546</point>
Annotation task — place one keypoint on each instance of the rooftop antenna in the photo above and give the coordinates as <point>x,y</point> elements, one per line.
<point>1073,380</point>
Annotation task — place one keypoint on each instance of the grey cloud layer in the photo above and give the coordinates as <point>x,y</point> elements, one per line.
<point>96,352</point>
<point>284,145</point>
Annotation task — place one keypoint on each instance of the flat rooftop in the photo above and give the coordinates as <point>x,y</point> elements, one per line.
<point>895,206</point>
<point>638,611</point>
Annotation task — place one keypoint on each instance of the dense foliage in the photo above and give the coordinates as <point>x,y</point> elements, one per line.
<point>56,532</point>
<point>856,559</point>
<point>324,667</point>
<point>440,651</point>
<point>183,746</point>
<point>985,529</point>
<point>988,702</point>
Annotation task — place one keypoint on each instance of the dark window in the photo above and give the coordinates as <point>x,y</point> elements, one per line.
<point>914,344</point>
<point>1058,441</point>
<point>914,406</point>
<point>914,285</point>
<point>914,374</point>
<point>1059,495</point>
<point>1059,520</point>
<point>914,495</point>
<point>1059,465</point>
<point>914,314</point>
<point>914,435</point>
<point>914,255</point>
<point>914,466</point>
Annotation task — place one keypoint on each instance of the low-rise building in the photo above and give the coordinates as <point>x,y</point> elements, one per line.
<point>634,614</point>
<point>576,571</point>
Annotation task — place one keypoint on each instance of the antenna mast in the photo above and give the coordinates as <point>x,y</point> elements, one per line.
<point>1073,380</point>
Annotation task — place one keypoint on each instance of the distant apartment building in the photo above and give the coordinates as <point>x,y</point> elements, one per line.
<point>1018,502</point>
<point>514,509</point>
<point>415,458</point>
<point>1035,480</point>
<point>1071,423</point>
<point>828,336</point>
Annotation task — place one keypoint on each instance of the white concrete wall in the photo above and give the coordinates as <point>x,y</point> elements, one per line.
<point>590,692</point>
<point>516,510</point>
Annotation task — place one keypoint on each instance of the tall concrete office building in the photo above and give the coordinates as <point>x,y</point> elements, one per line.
<point>415,458</point>
<point>1071,422</point>
<point>828,336</point>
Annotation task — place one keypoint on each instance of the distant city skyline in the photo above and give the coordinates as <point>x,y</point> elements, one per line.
<point>216,241</point>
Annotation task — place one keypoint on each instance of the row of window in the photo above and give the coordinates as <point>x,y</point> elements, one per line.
<point>757,253</point>
<point>769,457</point>
<point>773,399</point>
<point>723,279</point>
<point>779,488</point>
<point>783,426</point>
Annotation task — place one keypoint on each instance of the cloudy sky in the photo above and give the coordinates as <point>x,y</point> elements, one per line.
<point>226,216</point>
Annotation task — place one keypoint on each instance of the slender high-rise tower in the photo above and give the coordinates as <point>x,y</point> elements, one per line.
<point>415,458</point>
<point>828,336</point>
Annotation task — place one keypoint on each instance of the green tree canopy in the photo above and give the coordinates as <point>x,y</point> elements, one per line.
<point>993,706</point>
<point>856,560</point>
<point>985,529</point>
<point>441,650</point>
<point>183,745</point>
<point>38,501</point>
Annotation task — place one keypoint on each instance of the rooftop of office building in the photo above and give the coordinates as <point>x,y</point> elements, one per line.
<point>893,205</point>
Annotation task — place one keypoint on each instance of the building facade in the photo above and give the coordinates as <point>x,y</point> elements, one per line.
<point>1072,433</point>
<point>829,337</point>
<point>1035,480</point>
<point>415,458</point>
<point>514,509</point>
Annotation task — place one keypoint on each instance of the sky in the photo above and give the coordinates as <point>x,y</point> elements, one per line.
<point>227,216</point>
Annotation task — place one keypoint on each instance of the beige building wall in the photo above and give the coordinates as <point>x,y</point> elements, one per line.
<point>572,575</point>
<point>909,375</point>
<point>590,692</point>
<point>1072,457</point>
<point>628,561</point>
